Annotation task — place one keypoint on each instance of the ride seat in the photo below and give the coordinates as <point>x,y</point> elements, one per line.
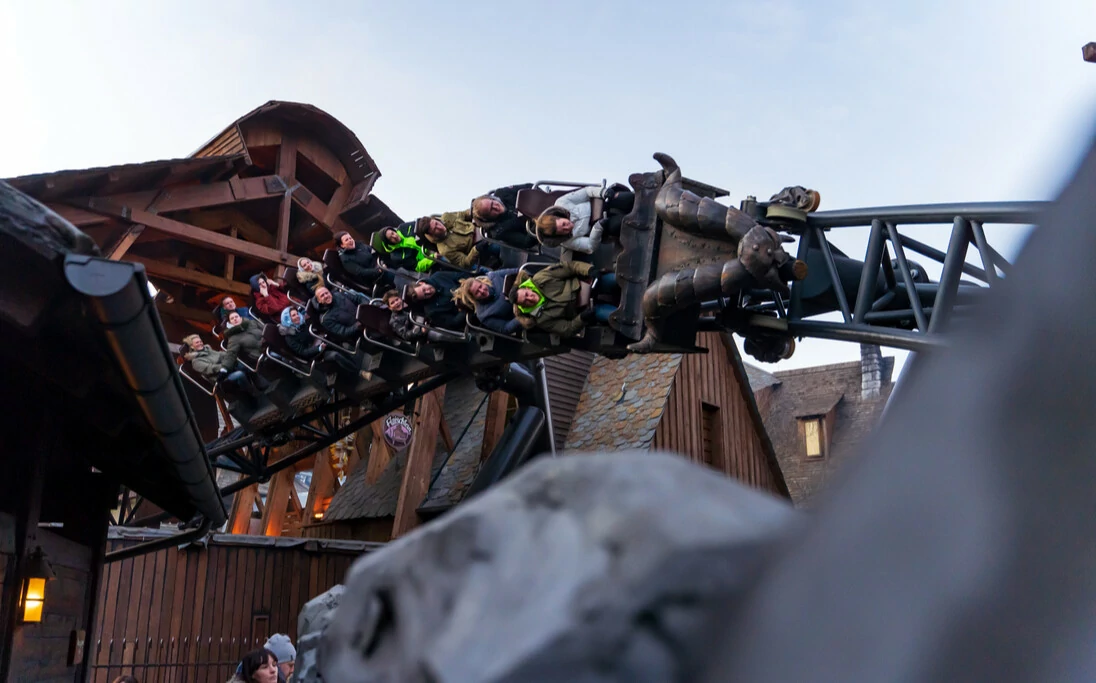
<point>532,203</point>
<point>585,294</point>
<point>276,348</point>
<point>297,292</point>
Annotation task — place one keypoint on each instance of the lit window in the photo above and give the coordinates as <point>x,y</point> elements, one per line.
<point>812,434</point>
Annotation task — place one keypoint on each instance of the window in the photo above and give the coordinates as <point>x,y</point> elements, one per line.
<point>710,437</point>
<point>814,436</point>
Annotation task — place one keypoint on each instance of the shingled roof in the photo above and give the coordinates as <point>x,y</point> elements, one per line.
<point>607,418</point>
<point>815,391</point>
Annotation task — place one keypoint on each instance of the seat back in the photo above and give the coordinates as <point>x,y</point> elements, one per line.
<point>188,371</point>
<point>597,209</point>
<point>333,266</point>
<point>293,286</point>
<point>585,292</point>
<point>375,319</point>
<point>532,203</point>
<point>277,349</point>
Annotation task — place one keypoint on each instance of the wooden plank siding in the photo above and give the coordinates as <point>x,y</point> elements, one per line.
<point>188,614</point>
<point>707,386</point>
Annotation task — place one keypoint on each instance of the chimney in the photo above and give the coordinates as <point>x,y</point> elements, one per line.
<point>871,371</point>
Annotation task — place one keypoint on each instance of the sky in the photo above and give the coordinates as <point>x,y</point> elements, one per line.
<point>870,103</point>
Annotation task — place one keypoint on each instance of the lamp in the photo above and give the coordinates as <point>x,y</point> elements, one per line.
<point>38,572</point>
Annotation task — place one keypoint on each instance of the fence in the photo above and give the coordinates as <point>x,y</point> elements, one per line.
<point>186,615</point>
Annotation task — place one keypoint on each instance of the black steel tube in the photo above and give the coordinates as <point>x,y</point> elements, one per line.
<point>949,278</point>
<point>840,331</point>
<point>882,302</point>
<point>835,279</point>
<point>933,253</point>
<point>983,251</point>
<point>907,277</point>
<point>311,449</point>
<point>515,447</point>
<point>870,274</point>
<point>159,543</point>
<point>546,405</point>
<point>988,212</point>
<point>520,383</point>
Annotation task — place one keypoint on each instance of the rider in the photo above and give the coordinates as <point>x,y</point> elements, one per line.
<point>360,261</point>
<point>496,212</point>
<point>486,296</point>
<point>398,247</point>
<point>548,300</point>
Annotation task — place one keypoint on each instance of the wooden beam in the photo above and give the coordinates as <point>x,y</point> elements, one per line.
<point>178,198</point>
<point>322,488</point>
<point>277,502</point>
<point>191,234</point>
<point>239,521</point>
<point>286,168</point>
<point>494,422</point>
<point>190,277</point>
<point>230,259</point>
<point>420,460</point>
<point>315,208</point>
<point>182,312</point>
<point>334,207</point>
<point>128,238</point>
<point>226,219</point>
<point>379,453</point>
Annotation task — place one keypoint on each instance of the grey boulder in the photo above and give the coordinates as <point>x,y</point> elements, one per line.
<point>313,619</point>
<point>581,569</point>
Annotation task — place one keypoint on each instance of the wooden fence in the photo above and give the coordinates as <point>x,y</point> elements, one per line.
<point>186,615</point>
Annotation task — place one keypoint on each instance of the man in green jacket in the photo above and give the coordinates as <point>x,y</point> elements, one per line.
<point>399,248</point>
<point>453,234</point>
<point>548,301</point>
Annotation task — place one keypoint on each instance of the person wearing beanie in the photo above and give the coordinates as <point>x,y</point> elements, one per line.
<point>283,649</point>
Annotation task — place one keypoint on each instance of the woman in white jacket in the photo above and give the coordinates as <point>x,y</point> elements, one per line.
<point>567,223</point>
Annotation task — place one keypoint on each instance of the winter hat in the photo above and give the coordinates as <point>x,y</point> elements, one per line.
<point>282,647</point>
<point>287,320</point>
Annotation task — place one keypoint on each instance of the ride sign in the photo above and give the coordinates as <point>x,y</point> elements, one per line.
<point>397,431</point>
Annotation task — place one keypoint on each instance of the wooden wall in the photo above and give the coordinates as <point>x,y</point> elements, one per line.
<point>711,380</point>
<point>188,614</point>
<point>41,650</point>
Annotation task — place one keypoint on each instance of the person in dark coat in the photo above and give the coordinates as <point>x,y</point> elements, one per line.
<point>496,212</point>
<point>486,297</point>
<point>270,297</point>
<point>338,312</point>
<point>360,261</point>
<point>434,296</point>
<point>242,335</point>
<point>307,347</point>
<point>228,304</point>
<point>400,318</point>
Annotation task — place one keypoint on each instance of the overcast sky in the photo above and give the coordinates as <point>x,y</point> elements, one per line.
<point>872,103</point>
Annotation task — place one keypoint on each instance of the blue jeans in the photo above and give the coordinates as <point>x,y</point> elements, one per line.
<point>606,284</point>
<point>602,311</point>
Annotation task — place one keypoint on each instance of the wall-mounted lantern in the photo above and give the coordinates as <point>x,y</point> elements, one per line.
<point>38,572</point>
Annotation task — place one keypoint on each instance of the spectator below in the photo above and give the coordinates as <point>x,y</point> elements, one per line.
<point>216,366</point>
<point>270,297</point>
<point>360,261</point>
<point>434,296</point>
<point>307,347</point>
<point>310,273</point>
<point>454,236</point>
<point>338,313</point>
<point>548,301</point>
<point>242,335</point>
<point>400,250</point>
<point>228,304</point>
<point>567,223</point>
<point>486,297</point>
<point>496,212</point>
<point>282,647</point>
<point>257,666</point>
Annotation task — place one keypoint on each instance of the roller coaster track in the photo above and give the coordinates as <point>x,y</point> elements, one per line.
<point>881,300</point>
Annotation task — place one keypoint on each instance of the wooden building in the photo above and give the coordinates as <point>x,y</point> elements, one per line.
<point>817,416</point>
<point>91,403</point>
<point>189,613</point>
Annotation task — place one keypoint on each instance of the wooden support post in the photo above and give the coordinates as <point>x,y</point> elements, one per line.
<point>286,168</point>
<point>239,520</point>
<point>119,250</point>
<point>420,460</point>
<point>277,502</point>
<point>494,422</point>
<point>379,453</point>
<point>230,259</point>
<point>322,488</point>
